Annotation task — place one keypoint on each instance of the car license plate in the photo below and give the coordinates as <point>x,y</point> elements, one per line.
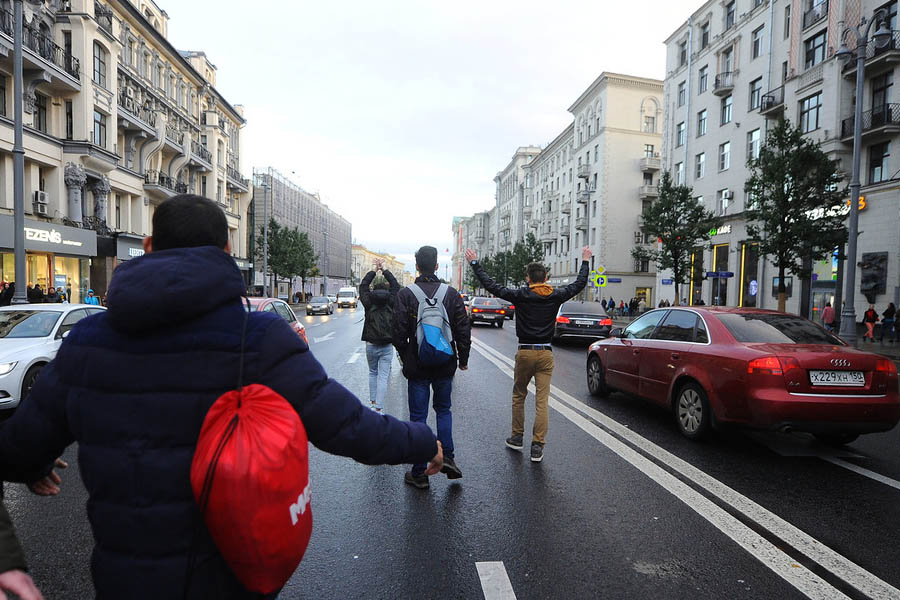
<point>842,378</point>
<point>588,323</point>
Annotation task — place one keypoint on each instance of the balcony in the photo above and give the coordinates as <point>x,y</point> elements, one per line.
<point>200,152</point>
<point>527,210</point>
<point>565,207</point>
<point>548,233</point>
<point>772,104</point>
<point>584,196</point>
<point>724,84</point>
<point>551,195</point>
<point>162,187</point>
<point>815,14</point>
<point>564,226</point>
<point>883,120</point>
<point>104,16</point>
<point>234,176</point>
<point>144,117</point>
<point>581,223</point>
<point>174,135</point>
<point>876,57</point>
<point>647,192</point>
<point>650,164</point>
<point>43,48</point>
<point>584,171</point>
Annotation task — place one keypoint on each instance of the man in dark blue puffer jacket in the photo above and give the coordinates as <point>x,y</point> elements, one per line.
<point>132,386</point>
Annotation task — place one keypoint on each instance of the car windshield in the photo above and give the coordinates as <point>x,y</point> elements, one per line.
<point>320,300</point>
<point>765,328</point>
<point>582,308</point>
<point>27,323</point>
<point>346,295</point>
<point>486,302</point>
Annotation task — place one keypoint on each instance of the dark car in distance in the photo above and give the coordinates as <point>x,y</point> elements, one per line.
<point>762,369</point>
<point>510,308</point>
<point>577,319</point>
<point>487,310</point>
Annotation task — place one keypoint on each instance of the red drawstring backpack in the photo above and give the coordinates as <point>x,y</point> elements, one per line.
<point>250,477</point>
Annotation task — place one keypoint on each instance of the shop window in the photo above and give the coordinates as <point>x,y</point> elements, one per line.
<point>720,284</point>
<point>696,289</point>
<point>749,272</point>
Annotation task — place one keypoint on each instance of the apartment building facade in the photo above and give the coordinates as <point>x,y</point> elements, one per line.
<point>363,260</point>
<point>735,68</point>
<point>116,121</point>
<point>512,210</point>
<point>277,197</point>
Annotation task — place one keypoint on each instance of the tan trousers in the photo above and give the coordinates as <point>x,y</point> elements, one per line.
<point>537,364</point>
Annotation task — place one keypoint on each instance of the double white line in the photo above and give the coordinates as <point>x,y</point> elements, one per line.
<point>638,451</point>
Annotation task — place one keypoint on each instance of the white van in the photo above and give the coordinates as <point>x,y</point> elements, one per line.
<point>347,297</point>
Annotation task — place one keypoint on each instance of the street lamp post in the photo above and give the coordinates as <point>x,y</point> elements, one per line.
<point>266,187</point>
<point>19,297</point>
<point>882,36</point>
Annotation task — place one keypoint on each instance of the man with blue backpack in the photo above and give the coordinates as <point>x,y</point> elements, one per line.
<point>432,334</point>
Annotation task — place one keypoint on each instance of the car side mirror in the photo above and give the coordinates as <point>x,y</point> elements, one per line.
<point>616,332</point>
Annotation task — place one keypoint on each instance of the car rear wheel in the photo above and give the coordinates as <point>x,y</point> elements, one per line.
<point>692,413</point>
<point>836,439</point>
<point>28,381</point>
<point>596,380</point>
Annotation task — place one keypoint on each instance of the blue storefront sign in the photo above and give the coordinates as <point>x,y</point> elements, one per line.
<point>614,280</point>
<point>719,274</point>
<point>667,282</point>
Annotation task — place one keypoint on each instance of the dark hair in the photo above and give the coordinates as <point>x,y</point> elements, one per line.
<point>188,221</point>
<point>381,286</point>
<point>537,273</point>
<point>426,260</point>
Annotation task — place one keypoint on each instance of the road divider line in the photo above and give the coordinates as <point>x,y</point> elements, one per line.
<point>843,568</point>
<point>862,471</point>
<point>495,582</point>
<point>353,358</point>
<point>324,338</point>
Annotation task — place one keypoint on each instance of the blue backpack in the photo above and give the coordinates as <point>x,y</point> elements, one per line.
<point>433,333</point>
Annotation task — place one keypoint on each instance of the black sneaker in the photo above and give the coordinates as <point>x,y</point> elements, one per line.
<point>450,469</point>
<point>515,442</point>
<point>537,452</point>
<point>417,481</point>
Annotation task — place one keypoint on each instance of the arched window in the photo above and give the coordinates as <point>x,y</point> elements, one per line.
<point>99,65</point>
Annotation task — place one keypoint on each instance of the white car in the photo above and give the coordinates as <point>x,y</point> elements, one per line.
<point>30,335</point>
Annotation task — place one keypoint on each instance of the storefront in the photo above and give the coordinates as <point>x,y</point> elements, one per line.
<point>55,255</point>
<point>246,268</point>
<point>129,246</point>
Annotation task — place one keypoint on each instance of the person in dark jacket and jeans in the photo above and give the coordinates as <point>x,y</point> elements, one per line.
<point>132,385</point>
<point>536,308</point>
<point>423,378</point>
<point>377,330</point>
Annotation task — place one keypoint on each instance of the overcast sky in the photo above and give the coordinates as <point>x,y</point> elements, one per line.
<point>401,113</point>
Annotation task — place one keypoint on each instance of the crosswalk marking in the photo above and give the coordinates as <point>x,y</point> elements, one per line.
<point>494,581</point>
<point>354,357</point>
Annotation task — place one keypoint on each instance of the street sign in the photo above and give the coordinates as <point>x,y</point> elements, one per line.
<point>667,282</point>
<point>614,280</point>
<point>719,274</point>
<point>597,278</point>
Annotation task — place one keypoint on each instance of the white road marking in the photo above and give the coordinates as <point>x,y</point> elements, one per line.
<point>863,471</point>
<point>354,358</point>
<point>494,581</point>
<point>797,445</point>
<point>324,338</point>
<point>813,549</point>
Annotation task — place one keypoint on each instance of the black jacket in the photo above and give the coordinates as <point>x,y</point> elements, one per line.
<point>379,305</point>
<point>535,314</point>
<point>889,313</point>
<point>406,314</point>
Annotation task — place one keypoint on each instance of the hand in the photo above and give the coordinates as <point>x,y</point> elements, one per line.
<point>471,255</point>
<point>20,584</point>
<point>49,485</point>
<point>434,466</point>
<point>586,253</point>
<point>379,265</point>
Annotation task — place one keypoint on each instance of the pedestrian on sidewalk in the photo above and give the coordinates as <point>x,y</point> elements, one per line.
<point>52,296</point>
<point>92,299</point>
<point>642,305</point>
<point>828,317</point>
<point>377,333</point>
<point>537,305</point>
<point>423,379</point>
<point>132,385</point>
<point>870,317</point>
<point>888,323</point>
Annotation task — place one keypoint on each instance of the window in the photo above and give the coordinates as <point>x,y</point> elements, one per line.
<point>679,134</point>
<point>756,41</point>
<point>753,144</point>
<point>728,60</point>
<point>775,328</point>
<point>726,110</point>
<point>878,162</point>
<point>787,21</point>
<point>881,95</point>
<point>99,65</point>
<point>642,265</point>
<point>755,93</point>
<point>99,129</point>
<point>70,120</point>
<point>809,113</point>
<point>682,54</point>
<point>40,113</point>
<point>648,178</point>
<point>2,95</point>
<point>701,123</point>
<point>704,79</point>
<point>596,153</point>
<point>118,215</point>
<point>203,186</point>
<point>704,35</point>
<point>649,124</point>
<point>814,50</point>
<point>729,15</point>
<point>784,71</point>
<point>681,93</point>
<point>679,173</point>
<point>678,327</point>
<point>643,327</point>
<point>700,171</point>
<point>648,150</point>
<point>725,156</point>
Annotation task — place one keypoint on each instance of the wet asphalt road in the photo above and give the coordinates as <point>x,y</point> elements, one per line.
<point>611,512</point>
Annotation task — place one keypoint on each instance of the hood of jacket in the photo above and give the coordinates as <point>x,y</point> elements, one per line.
<point>541,289</point>
<point>169,287</point>
<point>380,297</point>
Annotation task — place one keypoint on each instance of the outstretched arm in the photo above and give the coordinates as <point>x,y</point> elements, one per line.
<point>580,282</point>
<point>392,281</point>
<point>486,281</point>
<point>364,290</point>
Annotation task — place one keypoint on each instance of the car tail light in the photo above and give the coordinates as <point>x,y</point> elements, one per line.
<point>563,320</point>
<point>605,321</point>
<point>502,312</point>
<point>885,366</point>
<point>476,310</point>
<point>512,307</point>
<point>769,365</point>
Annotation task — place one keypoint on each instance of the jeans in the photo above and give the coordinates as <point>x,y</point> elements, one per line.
<point>379,357</point>
<point>537,365</point>
<point>418,411</point>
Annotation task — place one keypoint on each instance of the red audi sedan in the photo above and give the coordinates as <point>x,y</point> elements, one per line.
<point>280,308</point>
<point>757,368</point>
